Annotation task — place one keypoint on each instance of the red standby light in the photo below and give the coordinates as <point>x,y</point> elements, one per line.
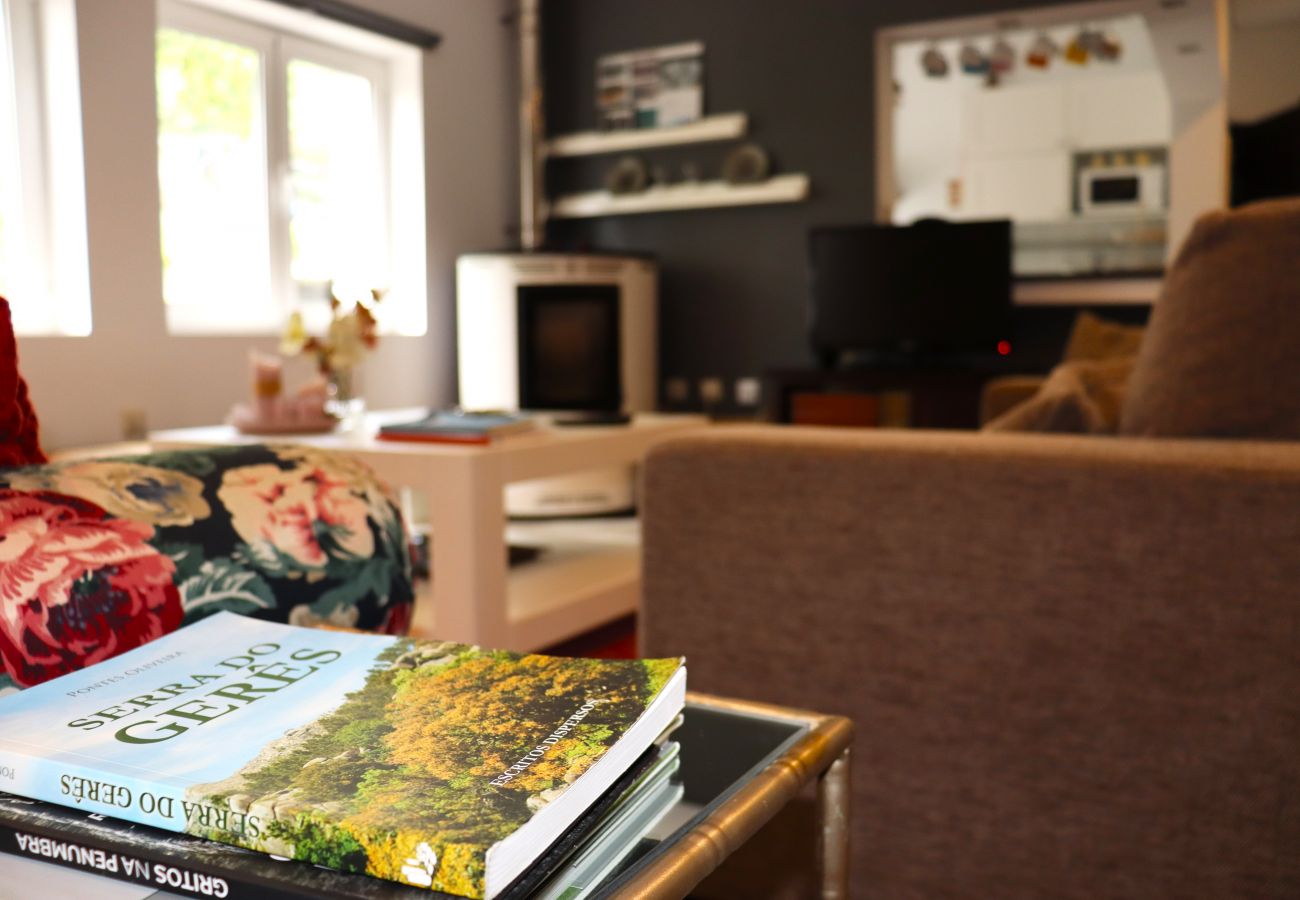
<point>1004,348</point>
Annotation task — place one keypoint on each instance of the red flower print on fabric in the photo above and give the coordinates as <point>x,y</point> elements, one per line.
<point>76,586</point>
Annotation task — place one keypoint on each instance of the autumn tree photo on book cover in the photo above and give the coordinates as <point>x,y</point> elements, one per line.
<point>443,751</point>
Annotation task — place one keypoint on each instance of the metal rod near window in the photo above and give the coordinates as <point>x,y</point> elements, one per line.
<point>368,20</point>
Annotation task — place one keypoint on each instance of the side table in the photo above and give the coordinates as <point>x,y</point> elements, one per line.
<point>473,598</point>
<point>742,762</point>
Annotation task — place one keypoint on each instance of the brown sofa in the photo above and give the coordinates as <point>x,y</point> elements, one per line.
<point>1073,662</point>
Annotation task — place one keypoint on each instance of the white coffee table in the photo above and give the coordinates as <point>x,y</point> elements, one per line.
<point>473,597</point>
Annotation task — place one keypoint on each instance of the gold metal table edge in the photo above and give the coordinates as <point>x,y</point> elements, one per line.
<point>822,751</point>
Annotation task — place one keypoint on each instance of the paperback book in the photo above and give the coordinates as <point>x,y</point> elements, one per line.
<point>195,867</point>
<point>433,764</point>
<point>458,427</point>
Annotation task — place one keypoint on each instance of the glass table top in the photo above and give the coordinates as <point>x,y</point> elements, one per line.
<point>720,751</point>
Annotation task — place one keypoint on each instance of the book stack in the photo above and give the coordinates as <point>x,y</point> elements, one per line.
<point>190,762</point>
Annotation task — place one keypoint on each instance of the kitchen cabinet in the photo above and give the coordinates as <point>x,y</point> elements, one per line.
<point>1032,187</point>
<point>1117,112</point>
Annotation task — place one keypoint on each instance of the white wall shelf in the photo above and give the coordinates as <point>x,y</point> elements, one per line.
<point>1084,291</point>
<point>722,127</point>
<point>703,195</point>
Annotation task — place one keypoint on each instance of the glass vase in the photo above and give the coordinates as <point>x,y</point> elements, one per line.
<point>342,399</point>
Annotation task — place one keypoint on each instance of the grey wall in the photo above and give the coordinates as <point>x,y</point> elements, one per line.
<point>733,298</point>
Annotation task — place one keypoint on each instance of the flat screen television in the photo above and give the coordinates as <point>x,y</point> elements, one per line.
<point>933,289</point>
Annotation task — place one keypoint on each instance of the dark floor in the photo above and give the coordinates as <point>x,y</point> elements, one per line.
<point>617,640</point>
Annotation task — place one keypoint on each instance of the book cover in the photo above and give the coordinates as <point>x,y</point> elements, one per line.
<point>456,426</point>
<point>174,862</point>
<point>440,765</point>
<point>195,867</point>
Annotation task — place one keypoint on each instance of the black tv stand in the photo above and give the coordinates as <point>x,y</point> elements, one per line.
<point>977,360</point>
<point>912,391</point>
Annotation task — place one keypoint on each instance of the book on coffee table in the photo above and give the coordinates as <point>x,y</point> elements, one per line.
<point>458,427</point>
<point>434,764</point>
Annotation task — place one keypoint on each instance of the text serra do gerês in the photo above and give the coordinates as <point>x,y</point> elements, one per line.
<point>258,677</point>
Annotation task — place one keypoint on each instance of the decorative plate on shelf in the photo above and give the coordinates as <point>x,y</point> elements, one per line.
<point>629,176</point>
<point>747,164</point>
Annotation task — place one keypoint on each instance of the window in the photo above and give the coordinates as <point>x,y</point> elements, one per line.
<point>276,165</point>
<point>43,265</point>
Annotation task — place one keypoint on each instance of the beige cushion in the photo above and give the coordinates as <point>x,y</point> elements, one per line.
<point>1093,337</point>
<point>1005,392</point>
<point>1072,398</point>
<point>1082,397</point>
<point>1221,355</point>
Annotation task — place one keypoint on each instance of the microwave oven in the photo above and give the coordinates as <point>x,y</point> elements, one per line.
<point>1122,190</point>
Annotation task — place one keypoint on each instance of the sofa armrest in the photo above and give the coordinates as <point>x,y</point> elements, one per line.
<point>1072,661</point>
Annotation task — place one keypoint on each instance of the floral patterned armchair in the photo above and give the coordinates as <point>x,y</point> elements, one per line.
<point>100,556</point>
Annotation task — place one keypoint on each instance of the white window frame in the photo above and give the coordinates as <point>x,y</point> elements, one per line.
<point>279,35</point>
<point>42,93</point>
<point>374,71</point>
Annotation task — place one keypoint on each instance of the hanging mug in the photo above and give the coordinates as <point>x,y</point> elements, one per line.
<point>1110,49</point>
<point>934,63</point>
<point>1041,52</point>
<point>973,62</point>
<point>1093,41</point>
<point>1077,50</point>
<point>1002,58</point>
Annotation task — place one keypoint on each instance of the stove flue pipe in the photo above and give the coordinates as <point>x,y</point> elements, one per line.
<point>532,215</point>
